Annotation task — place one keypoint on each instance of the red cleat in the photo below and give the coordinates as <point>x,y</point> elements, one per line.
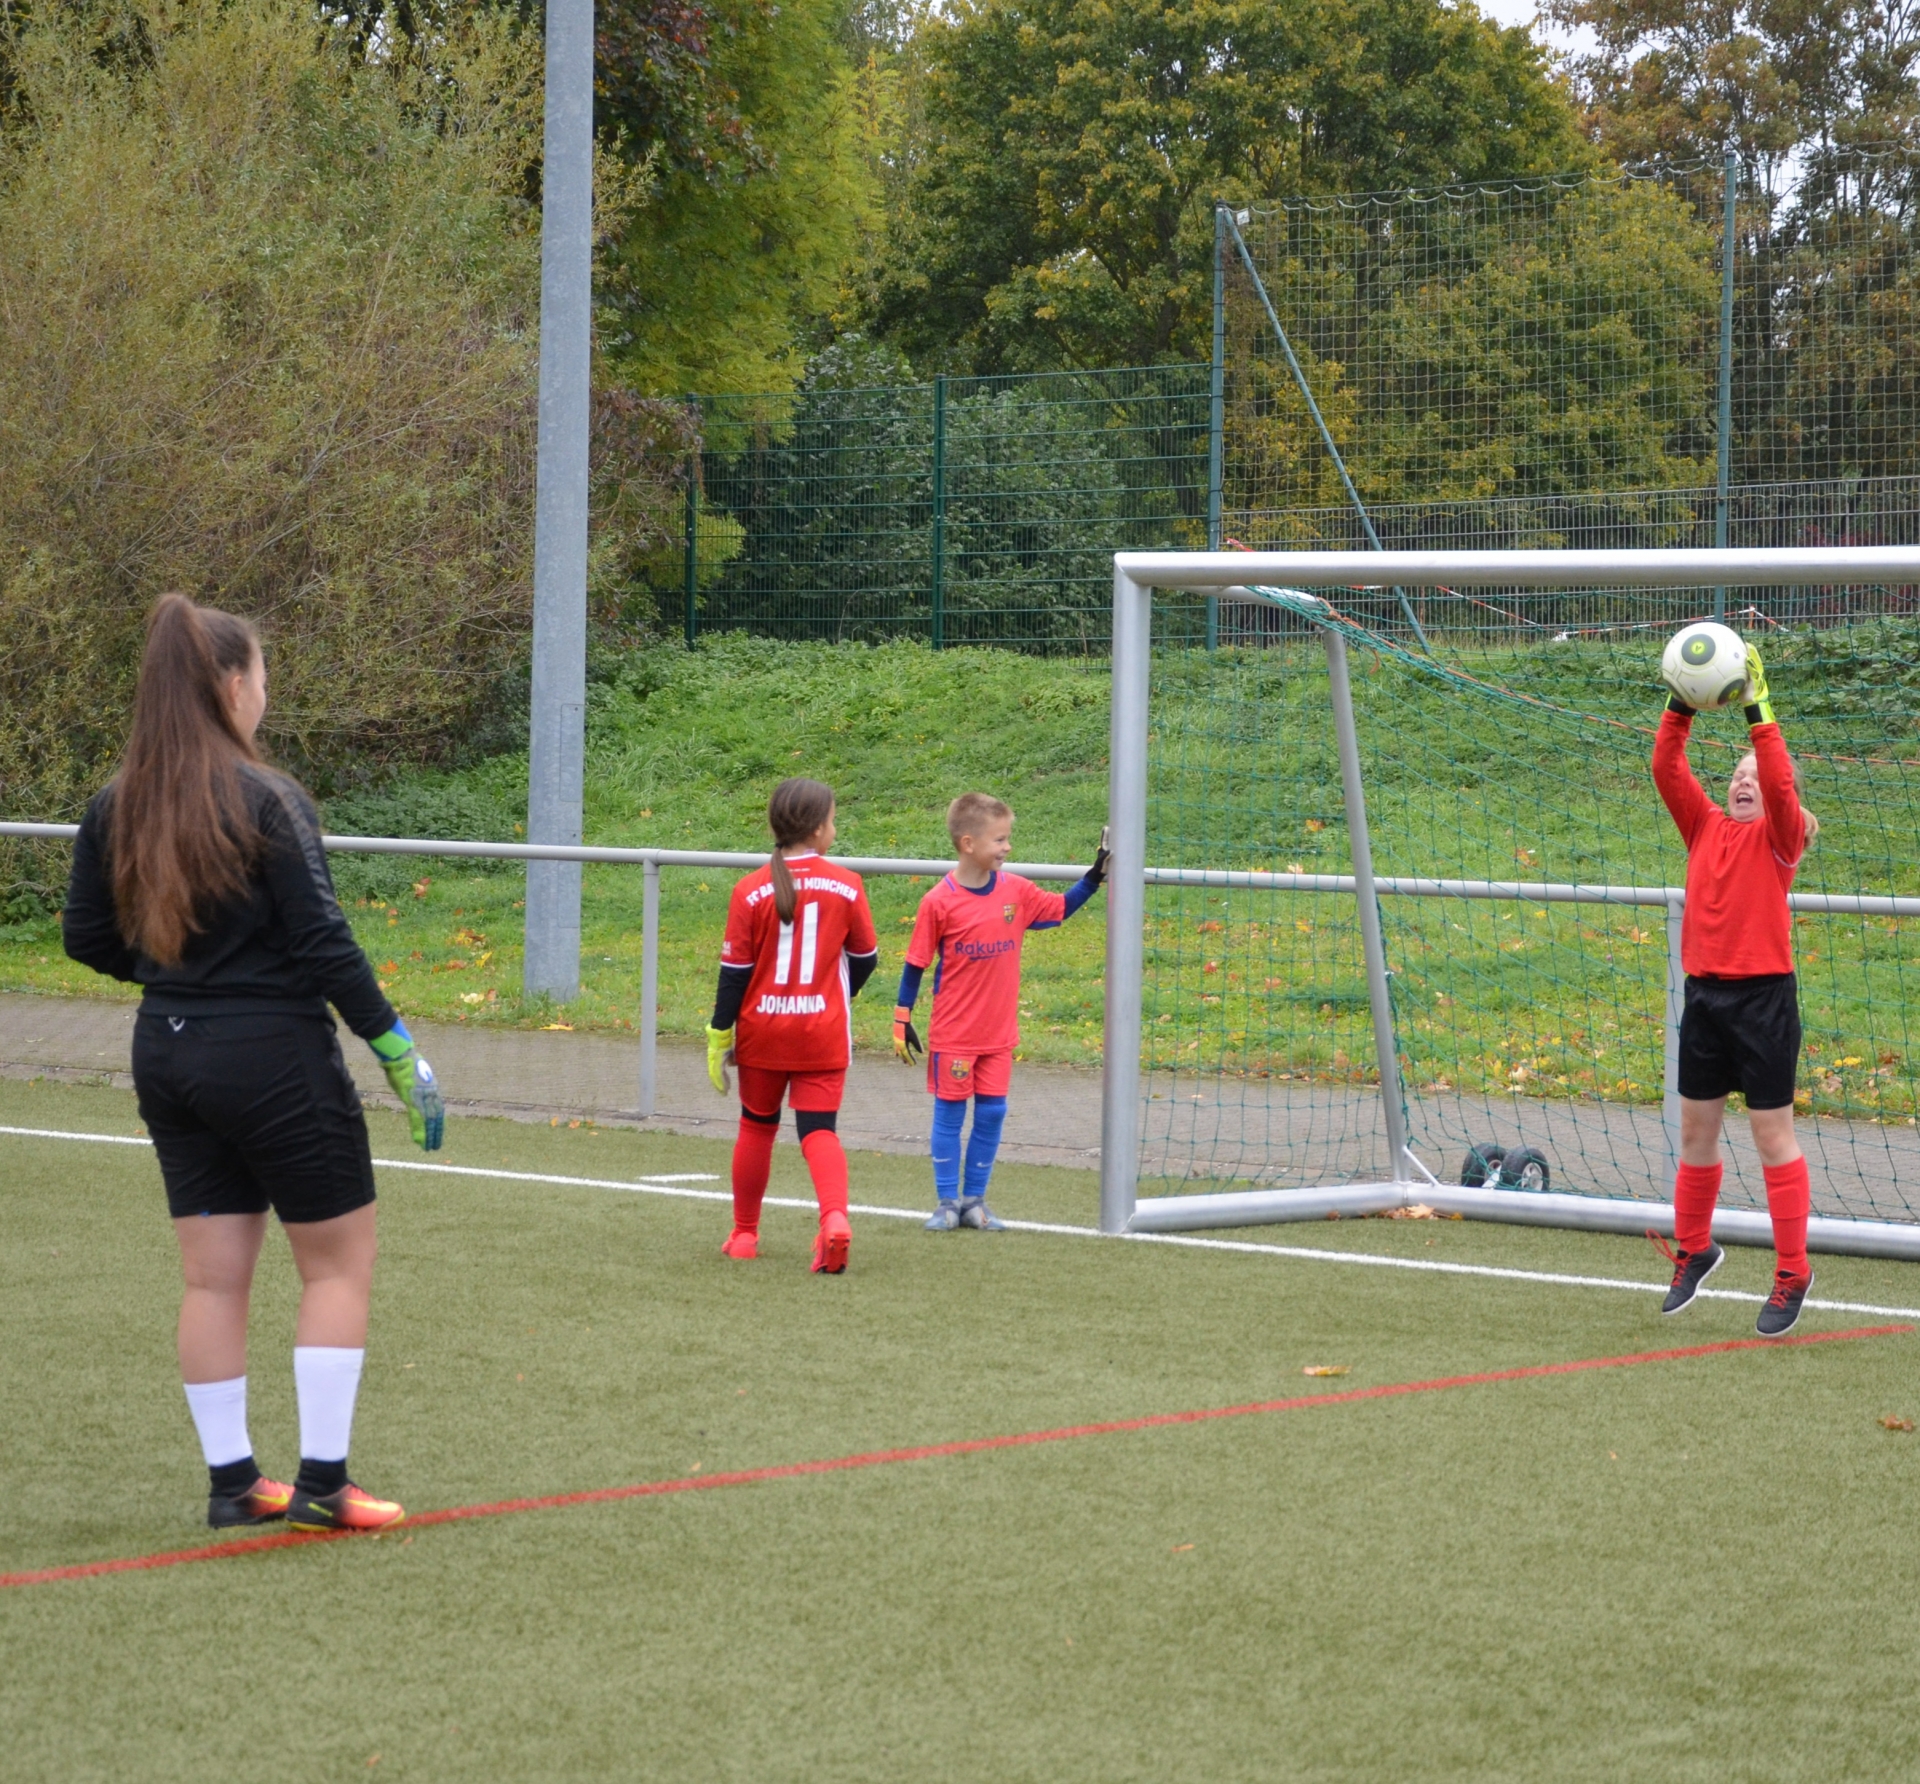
<point>741,1242</point>
<point>830,1248</point>
<point>348,1509</point>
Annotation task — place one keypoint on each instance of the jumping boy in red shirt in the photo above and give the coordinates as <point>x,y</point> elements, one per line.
<point>969,930</point>
<point>1740,1028</point>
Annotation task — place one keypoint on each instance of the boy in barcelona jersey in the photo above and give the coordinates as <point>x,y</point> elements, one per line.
<point>969,930</point>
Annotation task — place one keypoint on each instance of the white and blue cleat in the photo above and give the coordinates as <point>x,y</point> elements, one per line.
<point>946,1217</point>
<point>975,1213</point>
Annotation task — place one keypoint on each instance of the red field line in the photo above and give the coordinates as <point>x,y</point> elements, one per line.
<point>454,1514</point>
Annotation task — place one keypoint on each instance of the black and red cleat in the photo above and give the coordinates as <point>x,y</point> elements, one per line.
<point>260,1503</point>
<point>348,1509</point>
<point>1782,1311</point>
<point>1690,1270</point>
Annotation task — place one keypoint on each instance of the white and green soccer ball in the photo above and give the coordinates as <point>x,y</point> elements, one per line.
<point>1706,665</point>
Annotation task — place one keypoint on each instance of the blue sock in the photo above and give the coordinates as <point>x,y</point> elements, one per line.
<point>983,1144</point>
<point>947,1117</point>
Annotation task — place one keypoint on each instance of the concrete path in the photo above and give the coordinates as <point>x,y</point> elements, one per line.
<point>535,1075</point>
<point>1197,1131</point>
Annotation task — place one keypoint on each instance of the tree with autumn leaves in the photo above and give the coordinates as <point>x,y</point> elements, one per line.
<point>1059,207</point>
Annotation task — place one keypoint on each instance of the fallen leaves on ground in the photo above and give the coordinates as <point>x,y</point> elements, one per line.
<point>1892,1422</point>
<point>1325,1369</point>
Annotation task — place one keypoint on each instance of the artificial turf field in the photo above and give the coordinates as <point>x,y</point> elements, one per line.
<point>1697,1568</point>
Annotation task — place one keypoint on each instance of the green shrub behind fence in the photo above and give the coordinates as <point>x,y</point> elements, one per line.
<point>964,511</point>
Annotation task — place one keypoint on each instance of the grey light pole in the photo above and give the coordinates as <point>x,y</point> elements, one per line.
<point>557,766</point>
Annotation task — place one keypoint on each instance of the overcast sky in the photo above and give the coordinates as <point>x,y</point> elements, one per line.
<point>1525,12</point>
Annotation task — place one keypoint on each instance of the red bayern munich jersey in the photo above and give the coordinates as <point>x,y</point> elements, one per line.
<point>795,1017</point>
<point>972,940</point>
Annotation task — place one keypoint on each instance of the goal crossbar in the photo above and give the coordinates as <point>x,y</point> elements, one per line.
<point>1278,578</point>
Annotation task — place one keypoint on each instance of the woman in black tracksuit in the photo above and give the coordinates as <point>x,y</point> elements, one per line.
<point>199,875</point>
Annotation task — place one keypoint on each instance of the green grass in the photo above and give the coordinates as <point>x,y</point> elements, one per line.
<point>683,752</point>
<point>1533,1580</point>
<point>1463,782</point>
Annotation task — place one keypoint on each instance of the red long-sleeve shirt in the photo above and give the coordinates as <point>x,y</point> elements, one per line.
<point>1738,875</point>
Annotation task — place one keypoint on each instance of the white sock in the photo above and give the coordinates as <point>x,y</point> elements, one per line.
<point>326,1382</point>
<point>219,1411</point>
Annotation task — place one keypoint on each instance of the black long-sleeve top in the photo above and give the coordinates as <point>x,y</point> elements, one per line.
<point>734,980</point>
<point>281,946</point>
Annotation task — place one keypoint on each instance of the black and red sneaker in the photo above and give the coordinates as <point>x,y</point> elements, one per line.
<point>1690,1270</point>
<point>1782,1311</point>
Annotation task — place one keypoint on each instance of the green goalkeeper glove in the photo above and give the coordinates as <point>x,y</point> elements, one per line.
<point>719,1057</point>
<point>1759,706</point>
<point>414,1084</point>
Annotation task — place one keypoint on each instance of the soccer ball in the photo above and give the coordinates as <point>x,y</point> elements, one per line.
<point>1706,665</point>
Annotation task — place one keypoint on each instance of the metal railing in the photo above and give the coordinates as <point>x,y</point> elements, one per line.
<point>650,861</point>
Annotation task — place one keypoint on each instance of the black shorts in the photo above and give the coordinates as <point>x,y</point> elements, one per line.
<point>1741,1034</point>
<point>252,1112</point>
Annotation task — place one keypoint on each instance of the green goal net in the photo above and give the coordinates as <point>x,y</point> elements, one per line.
<point>1518,1021</point>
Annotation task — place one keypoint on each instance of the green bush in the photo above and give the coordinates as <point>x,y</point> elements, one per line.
<point>270,338</point>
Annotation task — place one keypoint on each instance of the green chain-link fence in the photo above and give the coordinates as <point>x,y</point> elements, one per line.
<point>1603,359</point>
<point>1561,361</point>
<point>963,511</point>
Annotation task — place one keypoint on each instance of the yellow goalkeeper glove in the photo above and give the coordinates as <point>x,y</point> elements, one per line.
<point>1759,706</point>
<point>719,1057</point>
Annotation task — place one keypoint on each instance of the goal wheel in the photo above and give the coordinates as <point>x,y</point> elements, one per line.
<point>1482,1164</point>
<point>1525,1167</point>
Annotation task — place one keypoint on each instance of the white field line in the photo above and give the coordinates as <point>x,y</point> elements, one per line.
<point>54,1133</point>
<point>676,1186</point>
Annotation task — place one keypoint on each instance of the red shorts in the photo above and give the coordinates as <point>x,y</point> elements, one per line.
<point>953,1077</point>
<point>761,1089</point>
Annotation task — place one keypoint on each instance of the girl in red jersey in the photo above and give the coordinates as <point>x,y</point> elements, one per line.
<point>799,946</point>
<point>1740,1028</point>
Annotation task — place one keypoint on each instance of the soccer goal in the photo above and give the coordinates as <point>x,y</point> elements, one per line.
<point>1411,932</point>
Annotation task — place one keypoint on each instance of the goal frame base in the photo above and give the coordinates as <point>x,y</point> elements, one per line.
<point>1515,1207</point>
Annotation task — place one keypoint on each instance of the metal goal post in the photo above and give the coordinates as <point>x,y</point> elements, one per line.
<point>1278,578</point>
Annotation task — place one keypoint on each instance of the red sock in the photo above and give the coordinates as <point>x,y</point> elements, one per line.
<point>828,1165</point>
<point>1695,1190</point>
<point>1789,1201</point>
<point>752,1161</point>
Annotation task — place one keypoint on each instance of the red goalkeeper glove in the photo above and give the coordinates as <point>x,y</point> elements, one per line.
<point>906,1043</point>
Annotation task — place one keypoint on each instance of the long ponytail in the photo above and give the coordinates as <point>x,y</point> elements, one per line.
<point>180,834</point>
<point>797,809</point>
